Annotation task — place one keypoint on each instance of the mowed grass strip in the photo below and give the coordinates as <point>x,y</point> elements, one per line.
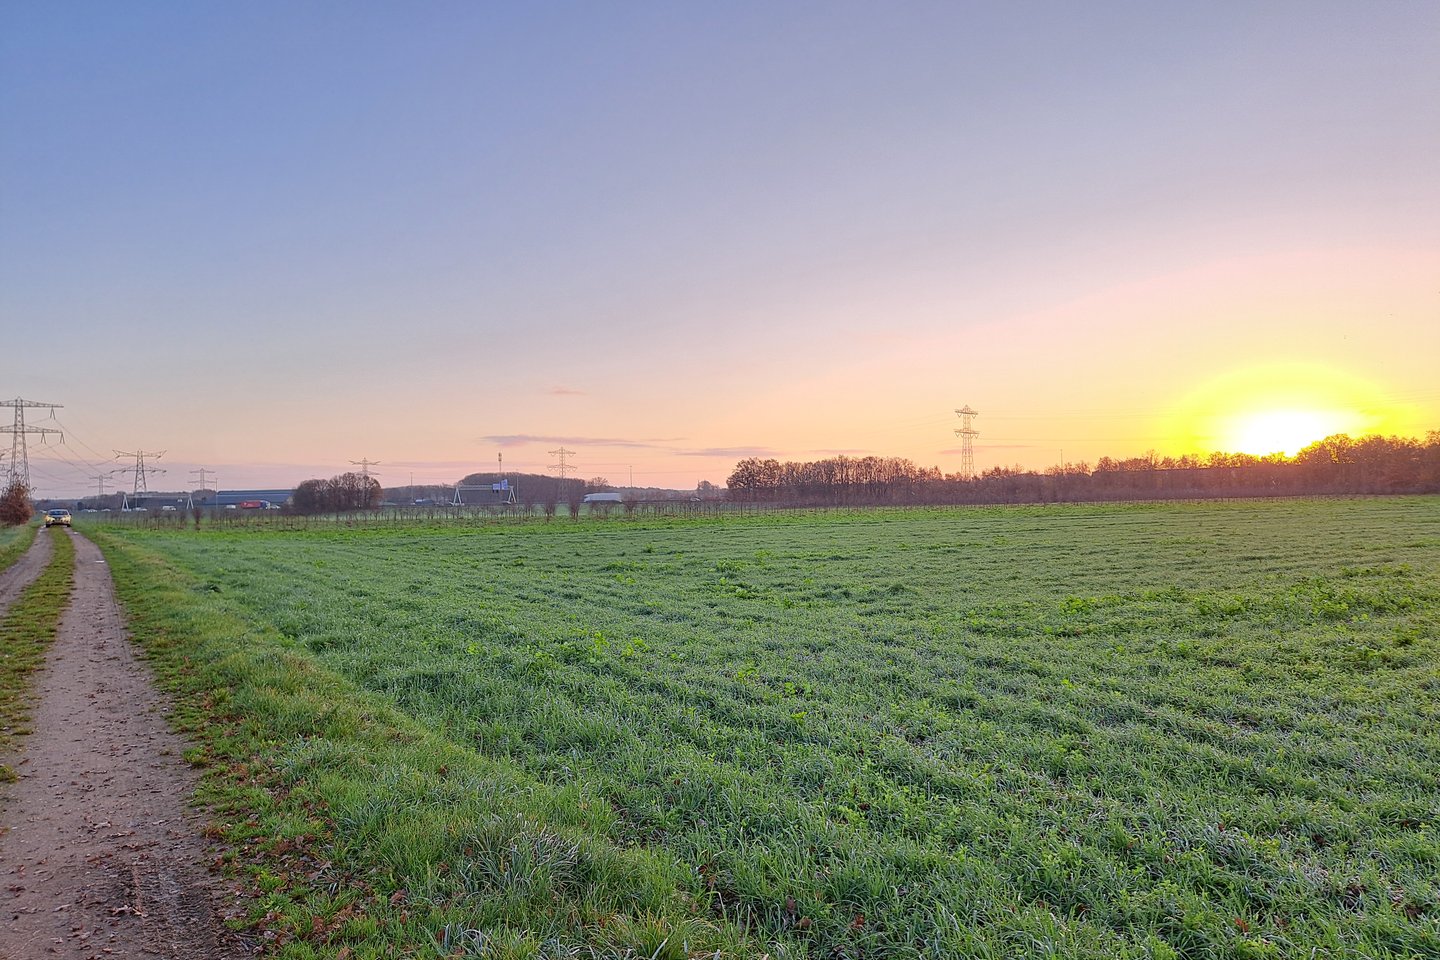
<point>14,541</point>
<point>1120,731</point>
<point>362,833</point>
<point>26,631</point>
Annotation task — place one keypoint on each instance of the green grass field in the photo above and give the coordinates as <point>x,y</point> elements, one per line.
<point>1120,731</point>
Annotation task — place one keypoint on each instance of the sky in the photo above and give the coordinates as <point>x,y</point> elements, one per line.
<point>272,238</point>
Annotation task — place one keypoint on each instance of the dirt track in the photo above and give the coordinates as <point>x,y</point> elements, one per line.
<point>100,856</point>
<point>20,574</point>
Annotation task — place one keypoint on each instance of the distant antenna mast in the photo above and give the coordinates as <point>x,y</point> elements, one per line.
<point>967,434</point>
<point>562,466</point>
<point>140,470</point>
<point>19,458</point>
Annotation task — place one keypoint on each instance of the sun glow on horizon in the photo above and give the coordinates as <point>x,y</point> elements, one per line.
<point>1281,407</point>
<point>1286,431</point>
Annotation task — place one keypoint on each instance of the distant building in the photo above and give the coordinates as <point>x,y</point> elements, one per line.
<point>611,497</point>
<point>235,498</point>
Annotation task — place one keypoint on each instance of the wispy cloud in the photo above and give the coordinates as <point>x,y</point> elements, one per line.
<point>844,452</point>
<point>730,452</point>
<point>521,439</point>
<point>566,392</point>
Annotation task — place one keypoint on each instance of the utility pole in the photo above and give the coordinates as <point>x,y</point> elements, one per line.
<point>562,466</point>
<point>100,480</point>
<point>365,466</point>
<point>967,434</point>
<point>19,458</point>
<point>140,470</point>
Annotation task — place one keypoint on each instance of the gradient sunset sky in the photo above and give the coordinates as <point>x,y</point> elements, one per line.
<point>272,238</point>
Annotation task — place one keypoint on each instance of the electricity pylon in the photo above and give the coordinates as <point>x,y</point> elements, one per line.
<point>190,496</point>
<point>967,434</point>
<point>140,470</point>
<point>562,466</point>
<point>19,458</point>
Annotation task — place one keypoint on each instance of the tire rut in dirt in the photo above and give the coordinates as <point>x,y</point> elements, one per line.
<point>20,574</point>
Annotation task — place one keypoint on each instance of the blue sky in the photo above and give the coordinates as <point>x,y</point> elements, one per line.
<point>277,237</point>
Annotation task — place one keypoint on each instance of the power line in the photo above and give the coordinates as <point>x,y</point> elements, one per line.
<point>19,457</point>
<point>54,480</point>
<point>365,465</point>
<point>100,457</point>
<point>69,460</point>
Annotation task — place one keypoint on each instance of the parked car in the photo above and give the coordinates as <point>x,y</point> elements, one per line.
<point>53,517</point>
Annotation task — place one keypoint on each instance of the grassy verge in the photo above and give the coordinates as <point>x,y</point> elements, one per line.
<point>14,541</point>
<point>363,834</point>
<point>25,632</point>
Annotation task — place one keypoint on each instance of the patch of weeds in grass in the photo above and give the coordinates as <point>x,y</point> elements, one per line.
<point>26,631</point>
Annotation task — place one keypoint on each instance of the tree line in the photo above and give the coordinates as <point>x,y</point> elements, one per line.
<point>1336,465</point>
<point>339,494</point>
<point>531,489</point>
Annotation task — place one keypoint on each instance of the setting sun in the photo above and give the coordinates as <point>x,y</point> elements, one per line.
<point>1281,407</point>
<point>1285,431</point>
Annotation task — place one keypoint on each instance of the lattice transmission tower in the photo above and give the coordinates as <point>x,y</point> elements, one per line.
<point>204,486</point>
<point>19,459</point>
<point>141,470</point>
<point>563,466</point>
<point>365,464</point>
<point>967,434</point>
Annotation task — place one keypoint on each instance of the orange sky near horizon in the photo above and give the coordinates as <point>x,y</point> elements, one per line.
<point>1260,354</point>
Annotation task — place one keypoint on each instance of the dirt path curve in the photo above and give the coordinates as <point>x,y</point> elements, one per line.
<point>20,574</point>
<point>100,857</point>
